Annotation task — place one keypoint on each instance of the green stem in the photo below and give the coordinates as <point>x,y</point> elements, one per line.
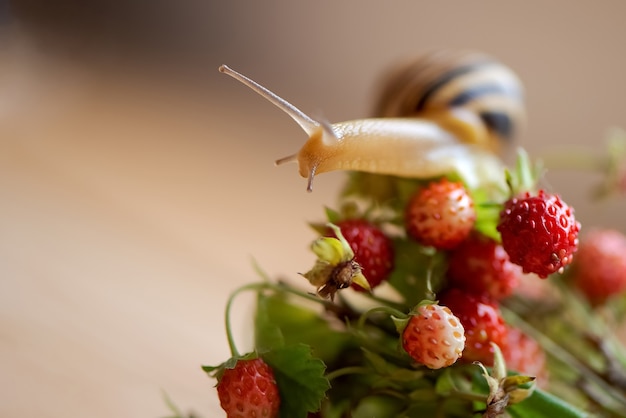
<point>468,396</point>
<point>280,287</point>
<point>391,303</point>
<point>284,287</point>
<point>346,371</point>
<point>430,294</point>
<point>229,303</point>
<point>564,356</point>
<point>386,309</point>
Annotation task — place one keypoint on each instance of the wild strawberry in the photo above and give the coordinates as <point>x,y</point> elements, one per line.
<point>373,250</point>
<point>483,323</point>
<point>599,270</point>
<point>249,390</point>
<point>539,233</point>
<point>480,265</point>
<point>440,215</point>
<point>525,356</point>
<point>434,337</point>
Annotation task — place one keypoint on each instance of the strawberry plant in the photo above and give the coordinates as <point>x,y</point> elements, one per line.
<point>438,331</point>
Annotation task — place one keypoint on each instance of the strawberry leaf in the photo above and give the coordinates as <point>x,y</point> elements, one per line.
<point>414,263</point>
<point>332,215</point>
<point>281,323</point>
<point>487,215</point>
<point>300,379</point>
<point>268,334</point>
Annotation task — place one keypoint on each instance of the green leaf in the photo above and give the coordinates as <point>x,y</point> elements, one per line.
<point>544,405</point>
<point>382,190</point>
<point>487,216</point>
<point>378,363</point>
<point>445,382</point>
<point>332,215</point>
<point>379,407</point>
<point>412,264</point>
<point>300,379</point>
<point>281,323</point>
<point>267,333</point>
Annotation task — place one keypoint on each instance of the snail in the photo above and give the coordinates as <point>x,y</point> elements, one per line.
<point>444,112</point>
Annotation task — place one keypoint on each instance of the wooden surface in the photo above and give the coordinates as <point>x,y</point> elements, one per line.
<point>128,213</point>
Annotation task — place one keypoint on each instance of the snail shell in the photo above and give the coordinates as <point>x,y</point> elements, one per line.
<point>448,81</point>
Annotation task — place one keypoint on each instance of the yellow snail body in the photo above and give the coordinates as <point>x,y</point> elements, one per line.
<point>444,113</point>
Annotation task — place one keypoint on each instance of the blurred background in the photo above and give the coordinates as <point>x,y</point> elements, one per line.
<point>137,183</point>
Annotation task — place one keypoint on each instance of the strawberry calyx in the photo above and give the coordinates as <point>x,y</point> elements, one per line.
<point>401,321</point>
<point>335,267</point>
<point>218,370</point>
<point>504,390</point>
<point>368,233</point>
<point>525,176</point>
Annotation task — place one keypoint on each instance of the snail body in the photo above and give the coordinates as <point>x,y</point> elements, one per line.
<point>446,112</point>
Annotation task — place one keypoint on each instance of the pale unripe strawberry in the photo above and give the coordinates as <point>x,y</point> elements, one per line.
<point>434,337</point>
<point>483,323</point>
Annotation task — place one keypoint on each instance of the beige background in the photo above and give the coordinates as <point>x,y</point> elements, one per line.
<point>136,182</point>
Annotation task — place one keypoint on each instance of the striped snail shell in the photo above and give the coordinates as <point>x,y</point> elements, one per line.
<point>437,83</point>
<point>443,113</point>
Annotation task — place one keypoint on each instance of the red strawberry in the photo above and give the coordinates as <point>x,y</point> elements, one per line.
<point>434,337</point>
<point>483,323</point>
<point>481,266</point>
<point>539,233</point>
<point>373,250</point>
<point>524,355</point>
<point>249,390</point>
<point>440,215</point>
<point>599,270</point>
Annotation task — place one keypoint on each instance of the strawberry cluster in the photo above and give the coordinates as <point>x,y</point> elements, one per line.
<point>417,287</point>
<point>538,233</point>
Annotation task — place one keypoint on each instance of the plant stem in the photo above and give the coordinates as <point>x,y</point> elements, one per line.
<point>284,287</point>
<point>565,356</point>
<point>391,303</point>
<point>468,396</point>
<point>229,303</point>
<point>346,371</point>
<point>279,287</point>
<point>386,309</point>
